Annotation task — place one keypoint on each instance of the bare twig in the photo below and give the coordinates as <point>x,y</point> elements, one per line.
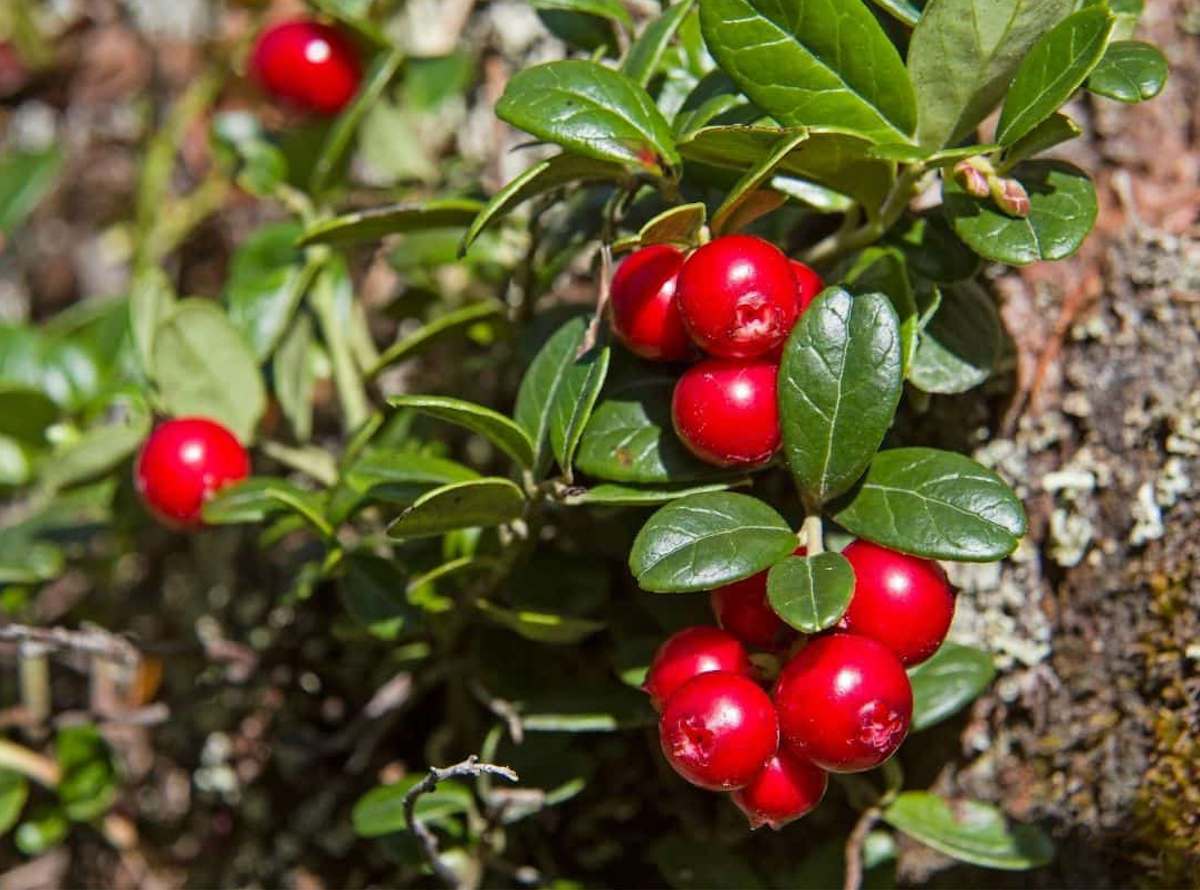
<point>471,767</point>
<point>854,848</point>
<point>28,763</point>
<point>90,640</point>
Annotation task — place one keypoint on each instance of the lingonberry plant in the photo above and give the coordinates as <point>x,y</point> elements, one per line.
<point>778,213</point>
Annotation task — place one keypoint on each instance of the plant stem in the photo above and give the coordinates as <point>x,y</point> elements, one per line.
<point>854,848</point>
<point>28,763</point>
<point>814,542</point>
<point>844,241</point>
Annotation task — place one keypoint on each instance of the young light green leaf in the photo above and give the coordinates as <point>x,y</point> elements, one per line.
<point>14,789</point>
<point>292,371</point>
<point>475,503</point>
<point>1054,130</point>
<point>959,345</point>
<point>746,188</point>
<point>332,301</point>
<point>87,785</point>
<point>612,494</point>
<point>814,63</point>
<point>267,280</point>
<point>677,225</point>
<point>811,593</point>
<point>949,681</point>
<point>968,831</point>
<point>935,504</point>
<point>492,425</point>
<point>259,497</point>
<point>593,111</point>
<point>646,53</point>
<point>706,540</point>
<point>1131,71</point>
<point>379,222</point>
<point>539,626</point>
<point>373,591</point>
<point>381,810</point>
<point>25,178</point>
<point>452,322</point>
<point>1056,67</point>
<point>839,384</point>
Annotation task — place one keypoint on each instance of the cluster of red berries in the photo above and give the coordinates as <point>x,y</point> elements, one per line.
<point>737,299</point>
<point>307,64</point>
<point>183,463</point>
<point>841,703</point>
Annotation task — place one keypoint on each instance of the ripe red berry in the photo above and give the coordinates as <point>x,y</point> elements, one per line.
<point>844,703</point>
<point>718,730</point>
<point>737,297</point>
<point>742,609</point>
<point>688,653</point>
<point>787,788</point>
<point>808,283</point>
<point>308,64</point>
<point>645,314</point>
<point>183,463</point>
<point>724,411</point>
<point>902,601</point>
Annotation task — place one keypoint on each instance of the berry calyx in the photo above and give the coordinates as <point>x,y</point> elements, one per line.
<point>718,730</point>
<point>689,653</point>
<point>786,788</point>
<point>737,297</point>
<point>808,284</point>
<point>742,609</point>
<point>725,411</point>
<point>183,463</point>
<point>645,314</point>
<point>308,64</point>
<point>902,601</point>
<point>844,703</point>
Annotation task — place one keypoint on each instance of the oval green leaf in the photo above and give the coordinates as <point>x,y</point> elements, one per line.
<point>492,425</point>
<point>1131,71</point>
<point>949,681</point>
<point>959,345</point>
<point>646,53</point>
<point>257,498</point>
<point>14,788</point>
<point>381,810</point>
<point>611,494</point>
<point>884,270</point>
<point>378,222</point>
<point>373,591</point>
<point>677,225</point>
<point>267,279</point>
<point>811,593</point>
<point>1054,130</point>
<point>475,503</point>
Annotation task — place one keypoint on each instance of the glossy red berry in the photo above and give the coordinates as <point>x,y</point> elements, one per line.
<point>718,730</point>
<point>742,609</point>
<point>307,64</point>
<point>737,297</point>
<point>183,463</point>
<point>725,412</point>
<point>844,703</point>
<point>787,788</point>
<point>808,283</point>
<point>688,653</point>
<point>902,601</point>
<point>645,314</point>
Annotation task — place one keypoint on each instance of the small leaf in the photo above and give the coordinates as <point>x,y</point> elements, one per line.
<point>100,448</point>
<point>292,371</point>
<point>1054,130</point>
<point>88,783</point>
<point>1131,71</point>
<point>539,626</point>
<point>45,827</point>
<point>381,810</point>
<point>935,504</point>
<point>811,593</point>
<point>25,413</point>
<point>1054,69</point>
<point>746,188</point>
<point>493,426</point>
<point>25,179</point>
<point>677,225</point>
<point>949,681</point>
<point>151,300</point>
<point>969,831</point>
<point>716,99</point>
<point>267,279</point>
<point>884,270</point>
<point>606,9</point>
<point>706,540</point>
<point>452,322</point>
<point>611,494</point>
<point>646,53</point>
<point>379,222</point>
<point>259,497</point>
<point>475,503</point>
<point>573,403</point>
<point>397,477</point>
<point>373,591</point>
<point>839,384</point>
<point>959,344</point>
<point>14,789</point>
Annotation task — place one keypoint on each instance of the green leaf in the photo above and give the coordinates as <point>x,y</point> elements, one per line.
<point>203,367</point>
<point>969,831</point>
<point>393,476</point>
<point>646,52</point>
<point>378,222</point>
<point>811,593</point>
<point>341,134</point>
<point>26,561</point>
<point>373,591</point>
<point>605,9</point>
<point>716,99</point>
<point>452,322</point>
<point>949,681</point>
<point>540,626</point>
<point>381,810</point>
<point>590,110</point>
<point>259,497</point>
<point>839,384</point>
<point>963,55</point>
<point>1062,211</point>
<point>267,280</point>
<point>1054,130</point>
<point>1131,71</point>
<point>493,426</point>
<point>706,540</point>
<point>903,10</point>
<point>100,448</point>
<point>959,344</point>
<point>1054,69</point>
<point>151,300</point>
<point>46,827</point>
<point>746,189</point>
<point>932,249</point>
<point>539,179</point>
<point>884,270</point>
<point>601,710</point>
<point>676,225</point>
<point>292,371</point>
<point>814,63</point>
<point>611,494</point>
<point>25,179</point>
<point>25,413</point>
<point>332,300</point>
<point>574,400</point>
<point>935,504</point>
<point>88,783</point>
<point>474,503</point>
<point>14,789</point>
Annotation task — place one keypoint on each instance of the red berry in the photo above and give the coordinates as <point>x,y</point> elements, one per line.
<point>902,601</point>
<point>737,297</point>
<point>808,283</point>
<point>645,314</point>
<point>688,653</point>
<point>742,609</point>
<point>308,64</point>
<point>718,730</point>
<point>787,788</point>
<point>725,412</point>
<point>183,463</point>
<point>844,702</point>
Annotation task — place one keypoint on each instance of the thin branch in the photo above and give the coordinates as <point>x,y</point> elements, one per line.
<point>28,763</point>
<point>854,848</point>
<point>90,640</point>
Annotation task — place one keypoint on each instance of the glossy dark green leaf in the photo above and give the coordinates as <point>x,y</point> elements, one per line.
<point>839,384</point>
<point>540,626</point>
<point>392,476</point>
<point>492,425</point>
<point>25,413</point>
<point>949,681</point>
<point>259,497</point>
<point>811,593</point>
<point>677,225</point>
<point>935,504</point>
<point>884,270</point>
<point>202,366</point>
<point>903,10</point>
<point>267,279</point>
<point>716,99</point>
<point>590,110</point>
<point>1054,130</point>
<point>373,591</point>
<point>969,831</point>
<point>706,540</point>
<point>475,503</point>
<point>958,347</point>
<point>381,810</point>
<point>1131,71</point>
<point>1063,210</point>
<point>646,52</point>
<point>100,448</point>
<point>452,322</point>
<point>814,63</point>
<point>932,249</point>
<point>378,222</point>
<point>292,372</point>
<point>963,55</point>
<point>574,400</point>
<point>14,789</point>
<point>1057,65</point>
<point>612,494</point>
<point>25,179</point>
<point>87,785</point>
<point>732,212</point>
